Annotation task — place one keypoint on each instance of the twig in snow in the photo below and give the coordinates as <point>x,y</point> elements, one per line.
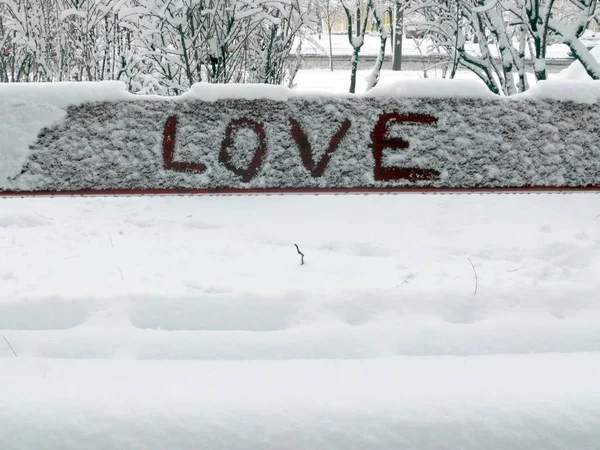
<point>111,242</point>
<point>408,279</point>
<point>598,216</point>
<point>121,272</point>
<point>10,346</point>
<point>475,272</point>
<point>301,254</point>
<point>44,217</point>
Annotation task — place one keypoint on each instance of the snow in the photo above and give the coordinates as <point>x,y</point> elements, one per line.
<point>165,322</point>
<point>539,65</point>
<point>62,95</point>
<point>27,108</point>
<point>20,124</point>
<point>516,402</point>
<point>316,81</point>
<point>179,322</point>
<point>212,92</point>
<point>580,91</point>
<point>432,88</point>
<point>358,41</point>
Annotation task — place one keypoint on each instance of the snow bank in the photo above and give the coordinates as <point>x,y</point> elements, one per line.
<point>27,108</point>
<point>212,92</point>
<point>65,94</point>
<point>20,123</point>
<point>586,91</point>
<point>431,134</point>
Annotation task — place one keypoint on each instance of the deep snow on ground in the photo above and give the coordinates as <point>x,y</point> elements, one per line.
<point>338,81</point>
<point>188,322</point>
<point>219,277</point>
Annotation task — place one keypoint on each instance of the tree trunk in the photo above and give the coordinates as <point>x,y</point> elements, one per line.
<point>354,69</point>
<point>375,74</point>
<point>330,51</point>
<point>398,21</point>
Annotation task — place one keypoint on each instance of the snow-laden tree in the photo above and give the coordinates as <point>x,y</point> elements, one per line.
<point>155,46</point>
<point>373,77</point>
<point>27,50</point>
<point>96,41</point>
<point>328,12</point>
<point>497,39</point>
<point>476,39</point>
<point>365,14</point>
<point>538,18</point>
<point>277,28</point>
<point>359,14</point>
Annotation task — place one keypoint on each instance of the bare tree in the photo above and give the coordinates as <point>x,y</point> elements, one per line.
<point>329,12</point>
<point>357,14</point>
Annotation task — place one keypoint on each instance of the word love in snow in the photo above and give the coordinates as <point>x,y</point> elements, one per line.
<point>379,143</point>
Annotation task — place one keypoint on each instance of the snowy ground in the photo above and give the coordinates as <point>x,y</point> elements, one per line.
<point>339,80</point>
<point>188,322</point>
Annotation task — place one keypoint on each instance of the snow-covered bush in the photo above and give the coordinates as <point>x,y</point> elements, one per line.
<point>155,46</point>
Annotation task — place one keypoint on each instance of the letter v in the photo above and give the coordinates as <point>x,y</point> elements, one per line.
<point>306,153</point>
